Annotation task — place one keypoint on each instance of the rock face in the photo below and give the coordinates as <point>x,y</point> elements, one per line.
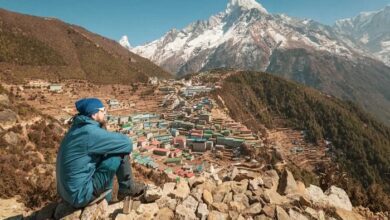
<point>10,207</point>
<point>334,197</point>
<point>338,198</point>
<point>287,184</point>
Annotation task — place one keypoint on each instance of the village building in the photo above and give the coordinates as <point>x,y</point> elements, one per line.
<point>55,88</point>
<point>113,104</point>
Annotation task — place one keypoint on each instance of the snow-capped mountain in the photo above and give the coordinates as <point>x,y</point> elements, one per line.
<point>371,29</point>
<point>245,36</point>
<point>124,42</point>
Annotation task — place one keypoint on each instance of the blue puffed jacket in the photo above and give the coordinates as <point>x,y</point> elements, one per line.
<point>80,150</point>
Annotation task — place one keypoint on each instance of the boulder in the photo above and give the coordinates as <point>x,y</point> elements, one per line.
<point>301,188</point>
<point>66,211</point>
<point>287,184</point>
<point>273,197</point>
<point>338,198</point>
<point>182,190</point>
<point>191,203</point>
<point>294,215</point>
<point>262,217</point>
<point>4,100</point>
<point>202,212</point>
<point>11,138</point>
<point>165,214</point>
<point>314,214</point>
<point>347,215</point>
<point>240,187</point>
<point>316,196</point>
<point>184,213</point>
<point>233,214</point>
<point>255,183</point>
<point>234,173</point>
<point>228,198</point>
<point>242,199</point>
<point>237,207</point>
<point>95,211</point>
<point>269,210</point>
<point>195,181</point>
<point>153,193</point>
<point>220,191</point>
<point>10,207</point>
<point>208,184</point>
<point>149,209</point>
<point>215,215</point>
<point>281,214</point>
<point>166,201</point>
<point>254,198</point>
<point>221,207</point>
<point>197,194</point>
<point>8,118</point>
<point>254,209</point>
<point>168,188</point>
<point>207,197</point>
<point>304,201</point>
<point>115,207</point>
<point>271,179</point>
<point>131,216</point>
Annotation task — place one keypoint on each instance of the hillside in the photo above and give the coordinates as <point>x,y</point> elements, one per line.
<point>28,147</point>
<point>360,145</point>
<point>34,47</point>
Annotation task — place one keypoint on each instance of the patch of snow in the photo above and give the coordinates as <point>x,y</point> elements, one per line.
<point>365,39</point>
<point>124,42</point>
<point>244,5</point>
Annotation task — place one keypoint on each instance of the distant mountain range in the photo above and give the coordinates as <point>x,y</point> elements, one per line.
<point>246,37</point>
<point>372,30</point>
<point>35,47</point>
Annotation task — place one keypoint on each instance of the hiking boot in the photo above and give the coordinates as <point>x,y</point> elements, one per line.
<point>136,190</point>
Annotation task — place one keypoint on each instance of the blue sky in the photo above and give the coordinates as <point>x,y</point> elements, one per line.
<point>146,20</point>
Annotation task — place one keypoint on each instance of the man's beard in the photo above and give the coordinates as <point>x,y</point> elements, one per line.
<point>103,124</point>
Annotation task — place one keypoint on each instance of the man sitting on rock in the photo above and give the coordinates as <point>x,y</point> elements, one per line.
<point>89,157</point>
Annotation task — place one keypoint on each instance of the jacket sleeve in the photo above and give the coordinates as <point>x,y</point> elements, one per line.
<point>105,142</point>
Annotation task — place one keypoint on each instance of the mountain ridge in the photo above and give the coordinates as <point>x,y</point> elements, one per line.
<point>35,47</point>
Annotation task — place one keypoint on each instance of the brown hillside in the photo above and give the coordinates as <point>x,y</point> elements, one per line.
<point>35,47</point>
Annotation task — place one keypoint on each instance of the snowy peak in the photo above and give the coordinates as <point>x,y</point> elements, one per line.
<point>244,5</point>
<point>371,30</point>
<point>124,42</point>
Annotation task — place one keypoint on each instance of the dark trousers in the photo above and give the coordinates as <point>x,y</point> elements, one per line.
<point>110,166</point>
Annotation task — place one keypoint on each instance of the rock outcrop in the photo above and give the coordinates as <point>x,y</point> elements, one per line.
<point>245,199</point>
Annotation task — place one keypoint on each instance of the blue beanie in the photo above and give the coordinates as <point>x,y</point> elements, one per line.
<point>88,106</point>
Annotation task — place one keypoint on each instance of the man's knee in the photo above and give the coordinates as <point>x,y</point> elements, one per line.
<point>110,164</point>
